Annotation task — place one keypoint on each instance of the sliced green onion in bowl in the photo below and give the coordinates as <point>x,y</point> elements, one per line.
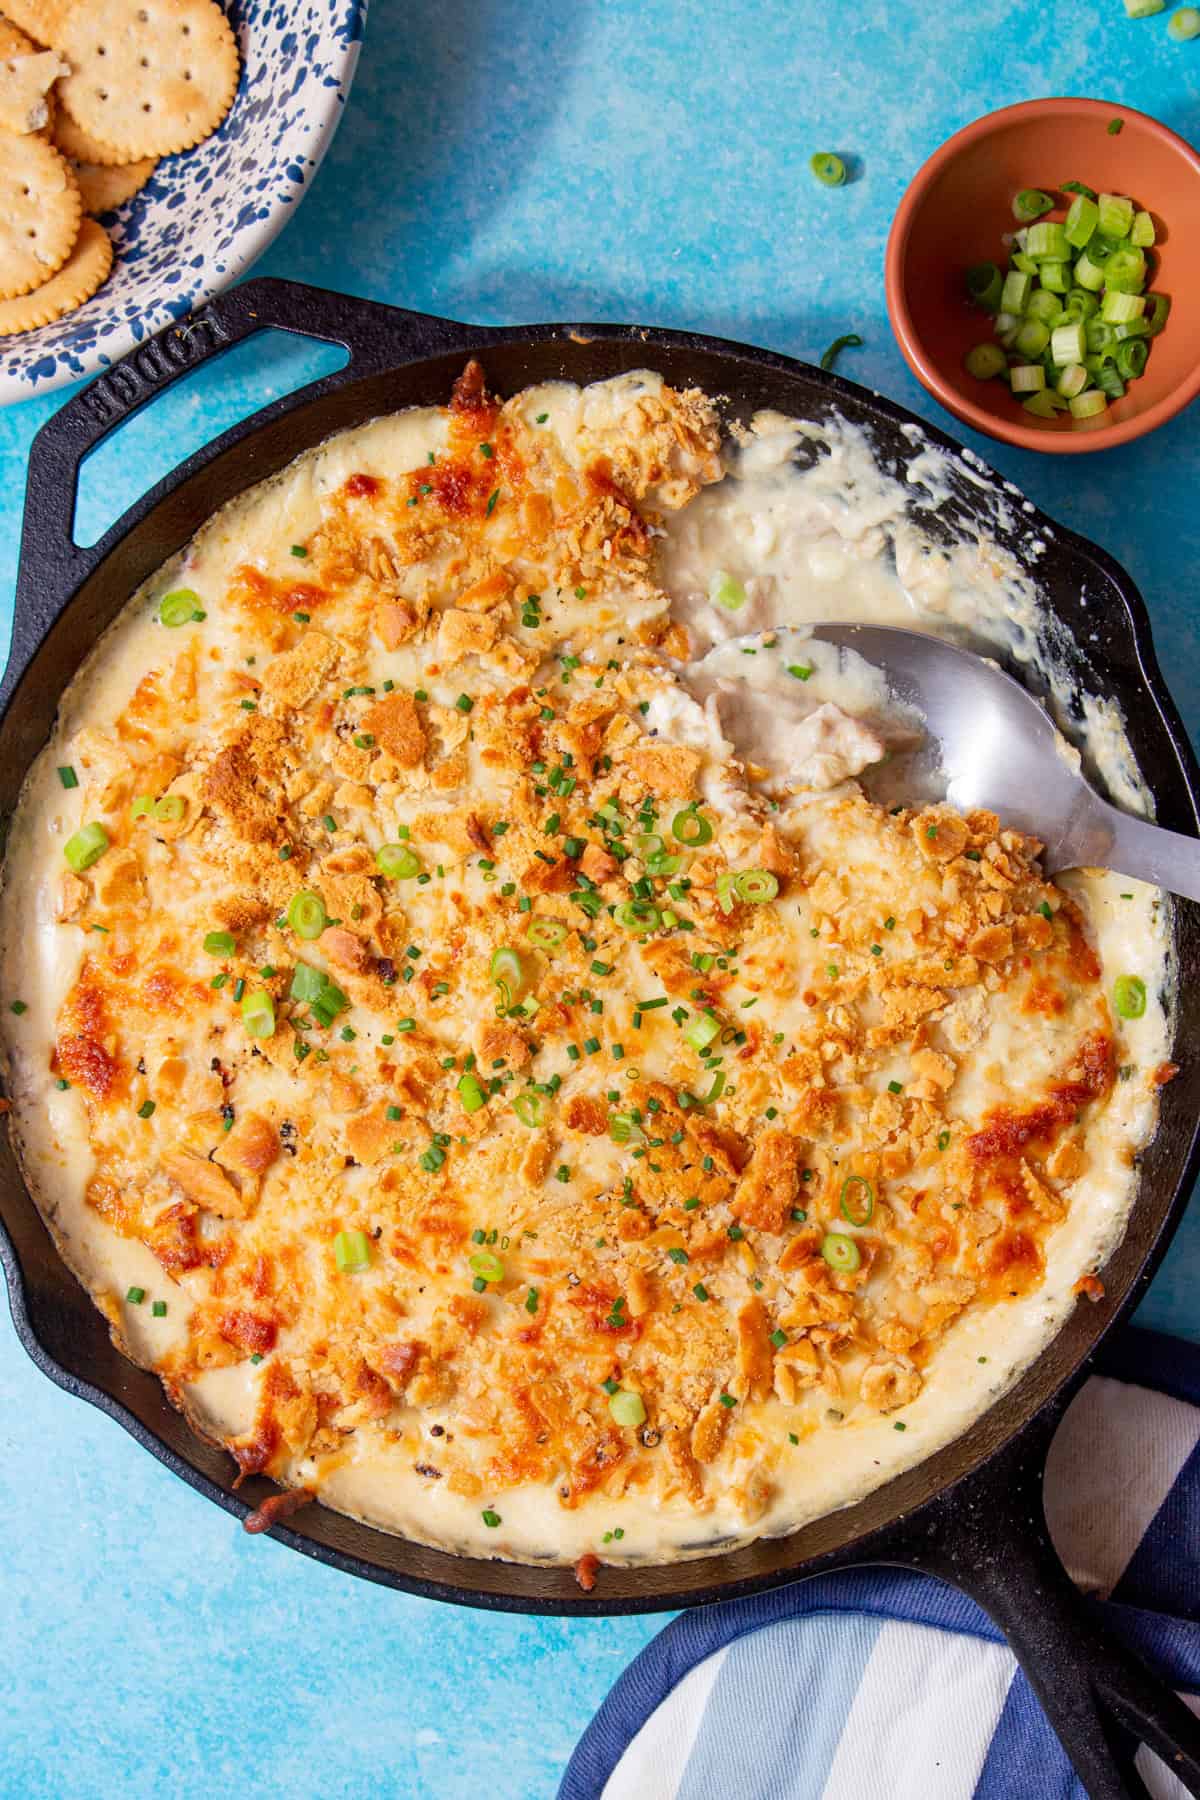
<point>352,1252</point>
<point>1129,996</point>
<point>306,915</point>
<point>485,1266</point>
<point>627,1409</point>
<point>1027,378</point>
<point>724,591</point>
<point>86,846</point>
<point>841,1252</point>
<point>179,608</point>
<point>1030,204</point>
<point>858,1200</point>
<point>1089,404</point>
<point>829,169</point>
<point>985,361</point>
<point>985,284</point>
<point>258,1014</point>
<point>397,861</point>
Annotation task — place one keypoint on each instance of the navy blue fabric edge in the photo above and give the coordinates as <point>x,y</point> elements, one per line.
<point>1143,1358</point>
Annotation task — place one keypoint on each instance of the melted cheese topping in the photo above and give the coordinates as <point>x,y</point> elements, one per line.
<point>671,1232</point>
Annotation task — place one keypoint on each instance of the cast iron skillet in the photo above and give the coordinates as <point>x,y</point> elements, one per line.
<point>971,1514</point>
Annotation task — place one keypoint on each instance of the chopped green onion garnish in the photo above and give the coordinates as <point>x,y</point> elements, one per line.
<point>471,1093</point>
<point>627,1409</point>
<point>485,1266</point>
<point>135,1296</point>
<point>306,915</point>
<point>220,943</point>
<point>397,862</point>
<point>85,847</point>
<point>352,1251</point>
<point>68,777</point>
<point>858,1200</point>
<point>724,591</point>
<point>840,1252</point>
<point>179,608</point>
<point>1129,996</point>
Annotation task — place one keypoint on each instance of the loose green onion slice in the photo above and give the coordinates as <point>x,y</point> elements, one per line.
<point>397,862</point>
<point>352,1251</point>
<point>829,169</point>
<point>858,1200</point>
<point>840,1252</point>
<point>1184,24</point>
<point>627,1409</point>
<point>639,916</point>
<point>850,340</point>
<point>306,915</point>
<point>1030,204</point>
<point>258,1014</point>
<point>528,1108</point>
<point>471,1093</point>
<point>1129,996</point>
<point>485,1266</point>
<point>547,934</point>
<point>85,847</point>
<point>220,943</point>
<point>985,361</point>
<point>691,828</point>
<point>724,591</point>
<point>179,608</point>
<point>701,1030</point>
<point>755,886</point>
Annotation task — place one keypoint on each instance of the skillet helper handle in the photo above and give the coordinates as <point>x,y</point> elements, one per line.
<point>988,1537</point>
<point>52,564</point>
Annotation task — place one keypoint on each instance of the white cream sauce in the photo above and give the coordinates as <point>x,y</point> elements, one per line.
<point>812,526</point>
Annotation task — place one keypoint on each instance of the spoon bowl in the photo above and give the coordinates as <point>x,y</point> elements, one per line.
<point>994,746</point>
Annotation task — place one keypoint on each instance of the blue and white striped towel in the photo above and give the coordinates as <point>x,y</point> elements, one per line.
<point>813,1692</point>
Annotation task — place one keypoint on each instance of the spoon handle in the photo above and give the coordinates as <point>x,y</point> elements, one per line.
<point>1101,836</point>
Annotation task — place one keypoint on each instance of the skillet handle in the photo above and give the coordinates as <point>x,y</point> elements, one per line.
<point>988,1537</point>
<point>52,565</point>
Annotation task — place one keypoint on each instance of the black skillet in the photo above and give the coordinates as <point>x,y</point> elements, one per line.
<point>971,1514</point>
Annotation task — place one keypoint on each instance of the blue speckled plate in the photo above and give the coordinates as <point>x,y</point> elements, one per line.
<point>208,213</point>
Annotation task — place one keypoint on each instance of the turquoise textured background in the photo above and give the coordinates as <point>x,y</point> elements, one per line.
<point>504,161</point>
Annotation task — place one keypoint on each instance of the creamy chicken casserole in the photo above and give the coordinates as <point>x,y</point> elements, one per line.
<point>476,1039</point>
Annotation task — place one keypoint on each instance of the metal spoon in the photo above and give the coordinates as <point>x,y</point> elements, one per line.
<point>998,749</point>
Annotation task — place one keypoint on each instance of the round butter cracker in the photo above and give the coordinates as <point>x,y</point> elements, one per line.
<point>42,19</point>
<point>104,189</point>
<point>13,41</point>
<point>81,146</point>
<point>85,270</point>
<point>149,77</point>
<point>40,211</point>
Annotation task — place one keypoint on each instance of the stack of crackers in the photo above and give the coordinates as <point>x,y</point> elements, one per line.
<point>92,93</point>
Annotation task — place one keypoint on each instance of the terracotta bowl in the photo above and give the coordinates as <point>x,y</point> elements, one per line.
<point>955,213</point>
